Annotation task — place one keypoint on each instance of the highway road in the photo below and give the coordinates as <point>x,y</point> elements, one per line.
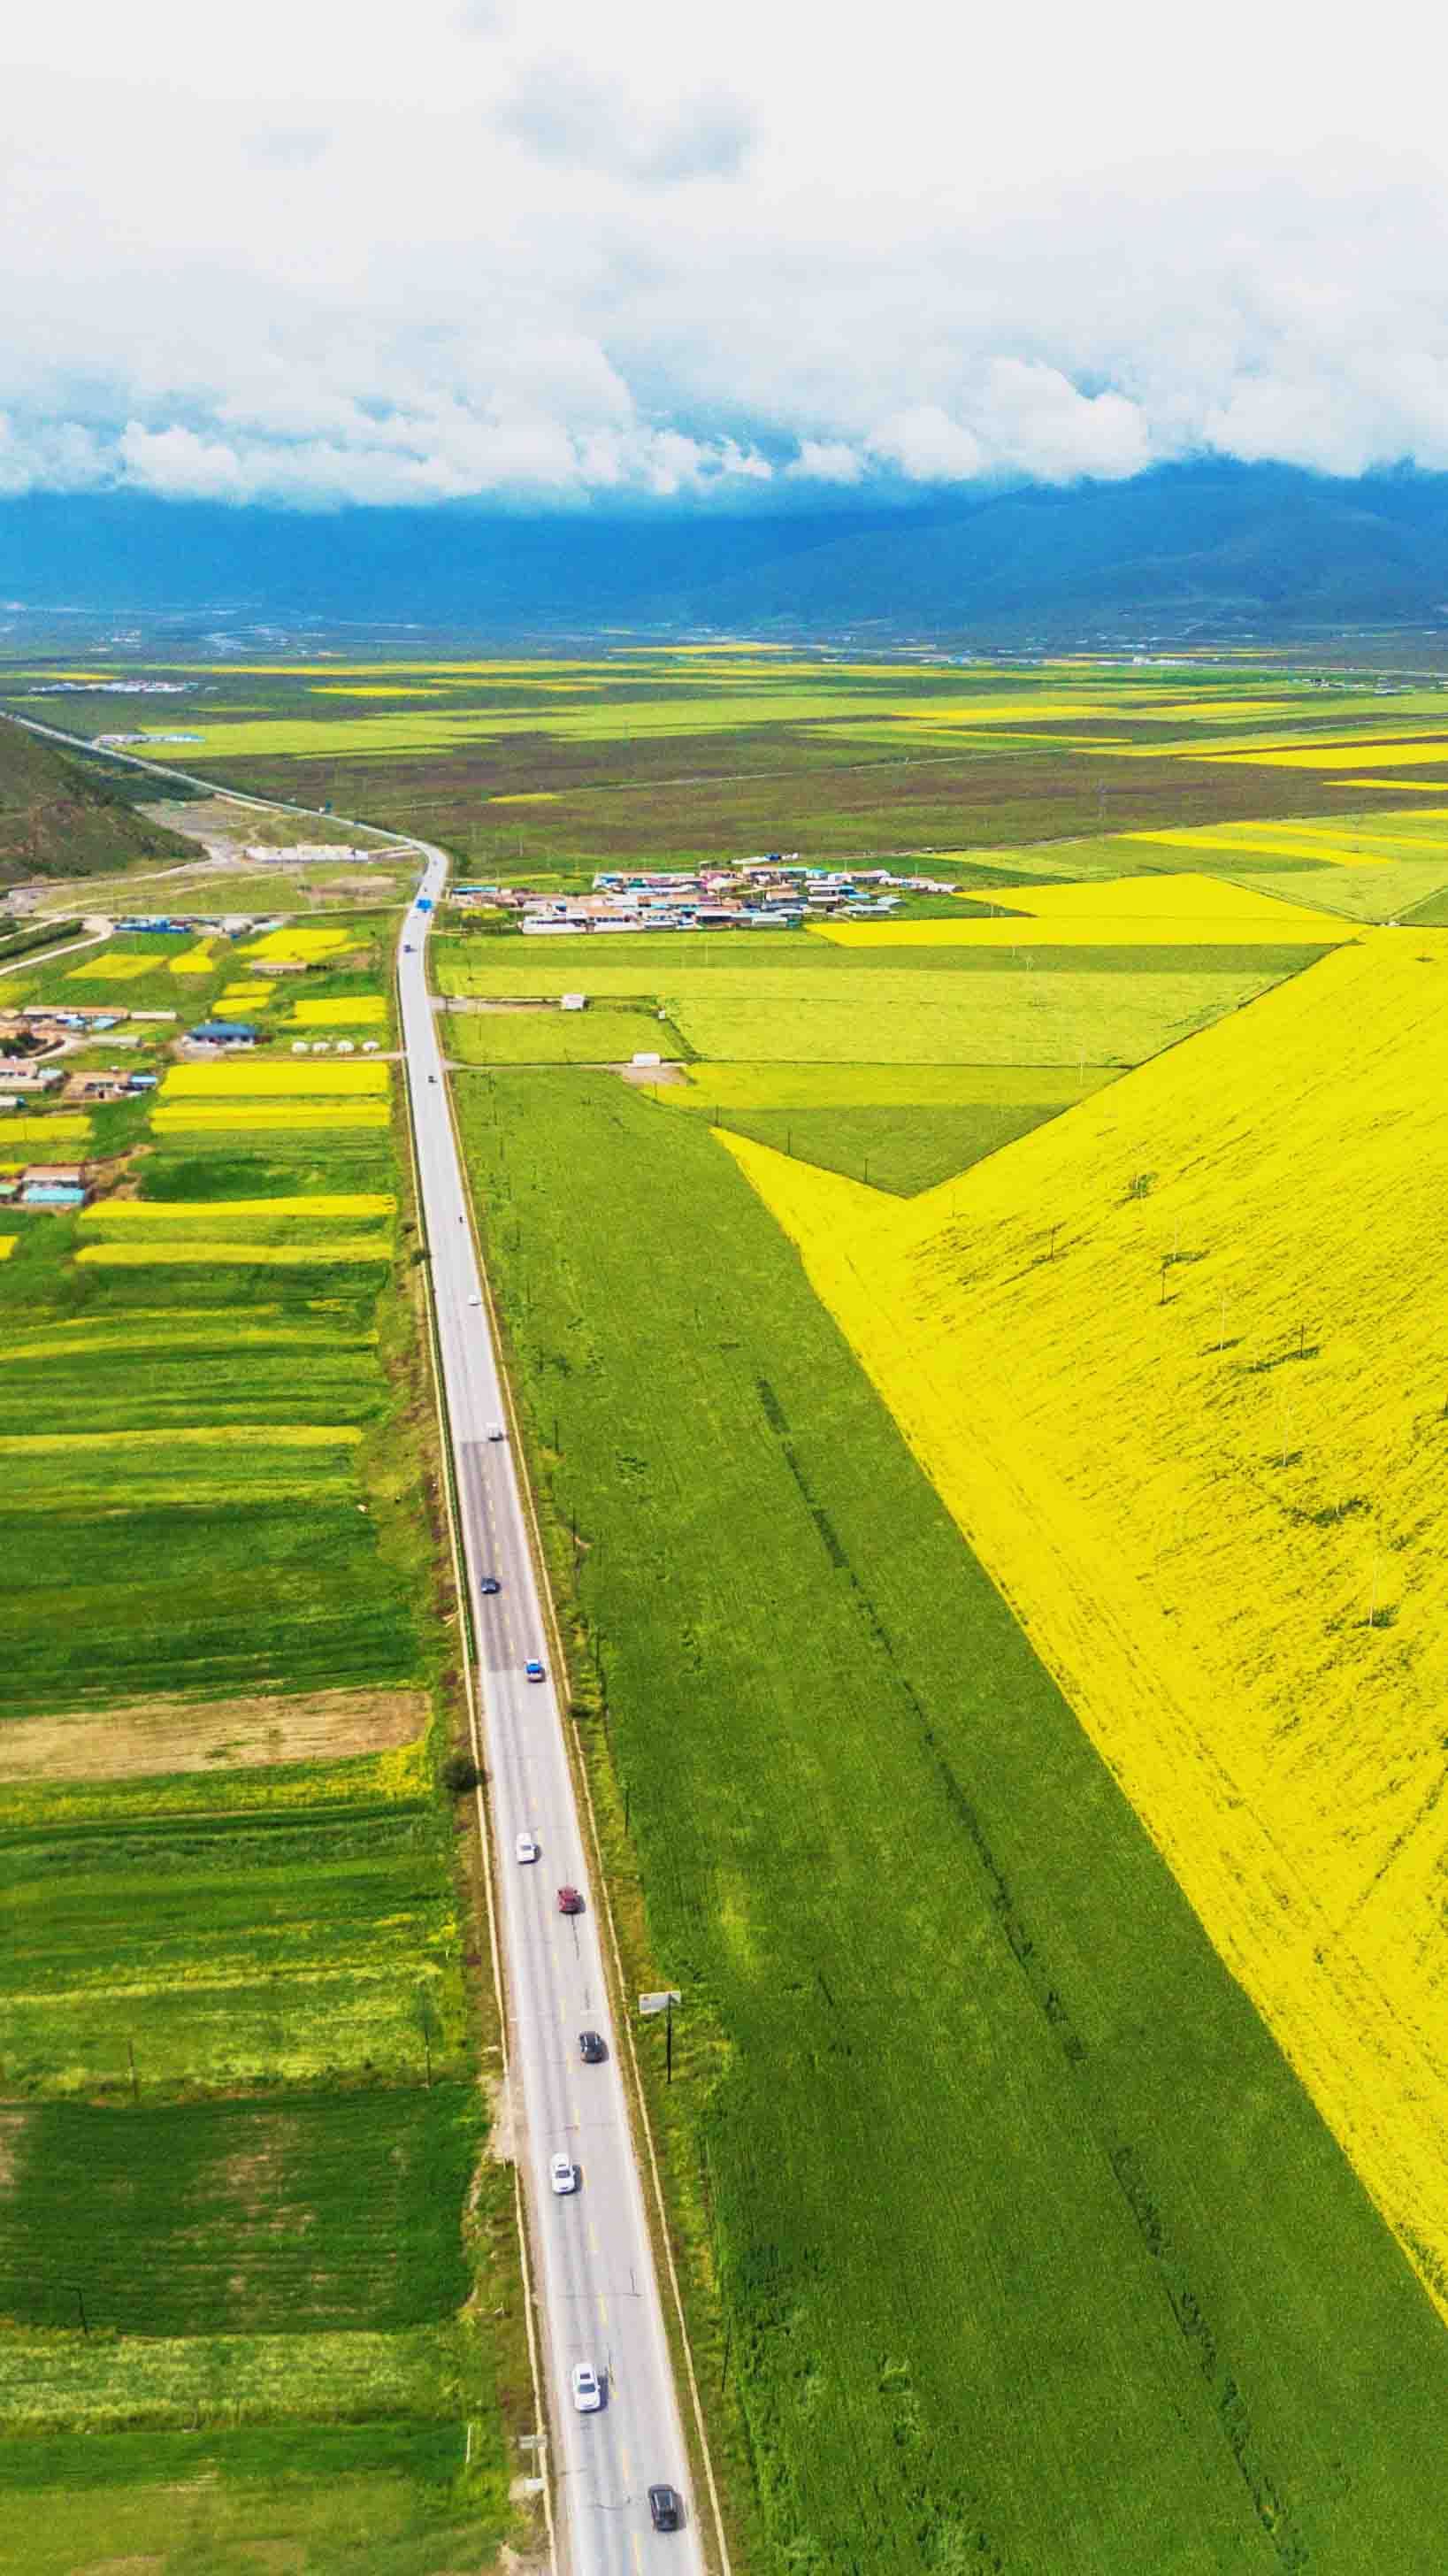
<point>593,2262</point>
<point>598,2290</point>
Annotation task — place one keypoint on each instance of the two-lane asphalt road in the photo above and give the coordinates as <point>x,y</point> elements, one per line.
<point>599,2294</point>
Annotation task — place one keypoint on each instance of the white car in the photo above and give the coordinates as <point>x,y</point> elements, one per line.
<point>587,2389</point>
<point>526,1847</point>
<point>496,1431</point>
<point>563,2174</point>
<point>475,1301</point>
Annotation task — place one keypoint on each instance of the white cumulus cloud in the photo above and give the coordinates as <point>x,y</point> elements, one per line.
<point>702,261</point>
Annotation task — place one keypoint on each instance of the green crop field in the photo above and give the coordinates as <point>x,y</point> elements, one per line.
<point>912,1014</point>
<point>547,768</point>
<point>557,1037</point>
<point>242,2220</point>
<point>919,1935</point>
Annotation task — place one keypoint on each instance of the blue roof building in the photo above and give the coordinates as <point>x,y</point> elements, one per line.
<point>224,1033</point>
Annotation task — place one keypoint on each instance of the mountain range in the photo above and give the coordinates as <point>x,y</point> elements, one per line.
<point>1209,549</point>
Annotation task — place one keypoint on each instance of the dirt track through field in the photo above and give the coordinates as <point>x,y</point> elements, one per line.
<point>160,1735</point>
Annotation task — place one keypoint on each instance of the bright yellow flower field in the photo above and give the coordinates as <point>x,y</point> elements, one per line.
<point>292,1117</point>
<point>194,961</point>
<point>195,1252</point>
<point>1177,1364</point>
<point>62,1129</point>
<point>115,968</point>
<point>1185,911</point>
<point>246,1079</point>
<point>299,942</point>
<point>368,1011</point>
<point>169,1215</point>
<point>194,1435</point>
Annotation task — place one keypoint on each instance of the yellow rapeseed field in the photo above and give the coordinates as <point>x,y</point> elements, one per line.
<point>248,1080</point>
<point>194,961</point>
<point>195,1251</point>
<point>192,1435</point>
<point>1186,911</point>
<point>367,1011</point>
<point>170,1214</point>
<point>237,996</point>
<point>59,1128</point>
<point>113,969</point>
<point>7,1245</point>
<point>1177,1363</point>
<point>299,942</point>
<point>293,1117</point>
<point>1265,841</point>
<point>1348,755</point>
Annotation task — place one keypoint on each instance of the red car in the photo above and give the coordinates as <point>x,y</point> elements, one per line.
<point>569,1901</point>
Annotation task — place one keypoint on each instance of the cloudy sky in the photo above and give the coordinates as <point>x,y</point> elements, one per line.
<point>323,251</point>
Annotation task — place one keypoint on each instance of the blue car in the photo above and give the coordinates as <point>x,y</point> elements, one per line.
<point>533,1669</point>
<point>489,1583</point>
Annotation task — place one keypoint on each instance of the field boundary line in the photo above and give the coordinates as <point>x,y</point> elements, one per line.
<point>487,1840</point>
<point>579,1768</point>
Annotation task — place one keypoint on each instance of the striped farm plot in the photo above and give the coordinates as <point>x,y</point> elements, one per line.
<point>201,1463</point>
<point>120,1234</point>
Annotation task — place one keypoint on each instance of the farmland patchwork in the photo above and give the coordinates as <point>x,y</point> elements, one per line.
<point>239,2123</point>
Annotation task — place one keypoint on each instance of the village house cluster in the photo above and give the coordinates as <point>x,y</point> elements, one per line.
<point>35,1040</point>
<point>775,892</point>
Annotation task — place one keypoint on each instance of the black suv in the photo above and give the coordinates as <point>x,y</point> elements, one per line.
<point>591,2048</point>
<point>666,2510</point>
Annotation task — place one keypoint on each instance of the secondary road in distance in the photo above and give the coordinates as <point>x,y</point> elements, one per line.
<point>599,2294</point>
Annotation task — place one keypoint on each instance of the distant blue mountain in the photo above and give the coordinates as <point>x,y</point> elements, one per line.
<point>1217,547</point>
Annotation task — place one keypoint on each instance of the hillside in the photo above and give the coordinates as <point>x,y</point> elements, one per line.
<point>1224,548</point>
<point>64,818</point>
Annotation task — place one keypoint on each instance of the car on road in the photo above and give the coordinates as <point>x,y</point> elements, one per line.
<point>534,1669</point>
<point>563,2174</point>
<point>569,1901</point>
<point>407,948</point>
<point>587,2388</point>
<point>666,2508</point>
<point>488,1584</point>
<point>496,1431</point>
<point>591,2048</point>
<point>526,1847</point>
<point>475,1301</point>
